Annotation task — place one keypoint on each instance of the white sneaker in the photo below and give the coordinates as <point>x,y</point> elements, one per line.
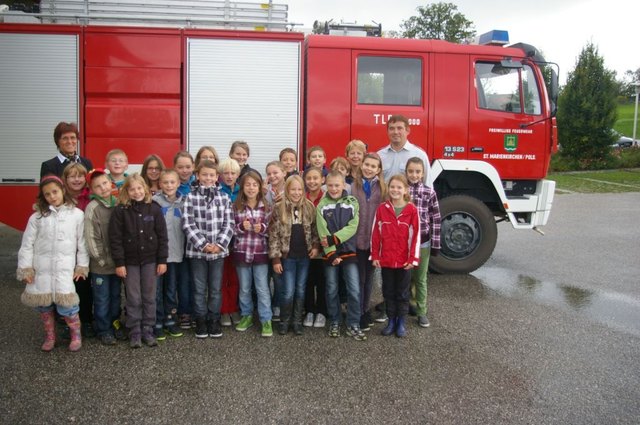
<point>308,320</point>
<point>225,320</point>
<point>235,318</point>
<point>320,322</point>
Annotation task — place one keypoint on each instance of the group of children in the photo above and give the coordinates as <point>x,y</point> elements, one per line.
<point>199,244</point>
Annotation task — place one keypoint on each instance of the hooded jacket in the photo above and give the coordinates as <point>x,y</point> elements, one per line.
<point>395,241</point>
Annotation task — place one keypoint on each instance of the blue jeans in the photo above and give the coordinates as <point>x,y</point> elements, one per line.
<point>350,276</point>
<point>166,296</point>
<point>294,279</point>
<point>277,287</point>
<point>62,311</point>
<point>258,274</point>
<point>106,301</point>
<point>207,281</point>
<point>185,288</point>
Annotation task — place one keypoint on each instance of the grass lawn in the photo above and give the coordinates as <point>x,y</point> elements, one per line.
<point>598,181</point>
<point>625,119</point>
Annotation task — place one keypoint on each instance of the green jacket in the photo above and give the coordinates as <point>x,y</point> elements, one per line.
<point>337,220</point>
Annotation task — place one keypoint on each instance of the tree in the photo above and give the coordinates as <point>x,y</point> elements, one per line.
<point>440,21</point>
<point>587,109</point>
<point>626,86</point>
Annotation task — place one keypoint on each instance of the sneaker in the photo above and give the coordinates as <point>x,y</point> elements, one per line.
<point>423,321</point>
<point>235,318</point>
<point>334,330</point>
<point>381,317</point>
<point>369,318</point>
<point>320,321</point>
<point>173,331</point>
<point>108,339</point>
<point>185,321</point>
<point>118,330</point>
<point>356,333</point>
<point>148,337</point>
<point>135,342</point>
<point>276,314</point>
<point>364,323</point>
<point>245,323</point>
<point>267,330</point>
<point>214,328</point>
<point>308,320</point>
<point>225,320</point>
<point>159,334</point>
<point>201,327</point>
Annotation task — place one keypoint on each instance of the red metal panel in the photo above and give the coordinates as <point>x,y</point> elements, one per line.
<point>132,82</point>
<point>22,200</point>
<point>136,49</point>
<point>450,112</point>
<point>328,100</point>
<point>133,91</point>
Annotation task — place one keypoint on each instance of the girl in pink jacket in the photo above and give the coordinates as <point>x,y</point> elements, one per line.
<point>395,247</point>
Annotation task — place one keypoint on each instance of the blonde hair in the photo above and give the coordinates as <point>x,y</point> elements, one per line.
<point>278,164</point>
<point>71,168</point>
<point>114,152</point>
<point>123,196</point>
<point>229,164</point>
<point>285,206</point>
<point>355,144</point>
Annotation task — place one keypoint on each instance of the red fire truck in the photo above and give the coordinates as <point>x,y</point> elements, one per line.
<point>482,113</point>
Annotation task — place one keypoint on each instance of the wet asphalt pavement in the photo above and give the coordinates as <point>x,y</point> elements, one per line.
<point>547,332</point>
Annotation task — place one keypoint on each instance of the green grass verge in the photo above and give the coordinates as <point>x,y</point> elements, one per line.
<point>609,181</point>
<point>624,124</point>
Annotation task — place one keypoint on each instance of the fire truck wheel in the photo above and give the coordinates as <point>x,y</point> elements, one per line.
<point>468,235</point>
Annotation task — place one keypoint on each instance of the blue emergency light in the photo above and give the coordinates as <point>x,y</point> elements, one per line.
<point>494,38</point>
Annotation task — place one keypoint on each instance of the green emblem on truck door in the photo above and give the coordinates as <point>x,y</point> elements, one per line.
<point>510,142</point>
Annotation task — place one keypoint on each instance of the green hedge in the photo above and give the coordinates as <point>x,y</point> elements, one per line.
<point>617,158</point>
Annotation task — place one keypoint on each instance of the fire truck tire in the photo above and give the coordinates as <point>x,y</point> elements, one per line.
<point>468,235</point>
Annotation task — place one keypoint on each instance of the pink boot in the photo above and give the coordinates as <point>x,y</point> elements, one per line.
<point>74,327</point>
<point>48,321</point>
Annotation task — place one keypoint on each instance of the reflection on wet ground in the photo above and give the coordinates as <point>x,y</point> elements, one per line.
<point>614,309</point>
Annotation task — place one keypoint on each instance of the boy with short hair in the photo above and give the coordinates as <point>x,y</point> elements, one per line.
<point>337,220</point>
<point>117,164</point>
<point>317,158</point>
<point>170,202</point>
<point>289,158</point>
<point>105,283</point>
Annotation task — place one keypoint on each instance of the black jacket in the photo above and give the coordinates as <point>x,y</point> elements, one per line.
<point>55,167</point>
<point>138,234</point>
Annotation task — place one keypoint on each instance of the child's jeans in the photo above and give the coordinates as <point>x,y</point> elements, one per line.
<point>106,301</point>
<point>62,311</point>
<point>350,276</point>
<point>419,281</point>
<point>258,274</point>
<point>185,288</point>
<point>294,278</point>
<point>207,280</point>
<point>167,296</point>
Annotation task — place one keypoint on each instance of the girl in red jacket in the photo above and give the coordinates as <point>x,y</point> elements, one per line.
<point>395,248</point>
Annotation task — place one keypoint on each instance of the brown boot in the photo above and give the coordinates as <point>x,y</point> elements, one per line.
<point>74,328</point>
<point>49,323</point>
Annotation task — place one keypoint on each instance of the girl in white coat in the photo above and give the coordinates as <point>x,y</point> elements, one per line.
<point>51,257</point>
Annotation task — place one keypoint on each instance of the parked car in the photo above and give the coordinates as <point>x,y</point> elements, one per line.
<point>623,141</point>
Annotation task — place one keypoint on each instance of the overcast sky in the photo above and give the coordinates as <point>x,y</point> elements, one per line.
<point>559,28</point>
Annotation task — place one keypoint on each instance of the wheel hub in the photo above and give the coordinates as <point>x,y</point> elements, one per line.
<point>461,235</point>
